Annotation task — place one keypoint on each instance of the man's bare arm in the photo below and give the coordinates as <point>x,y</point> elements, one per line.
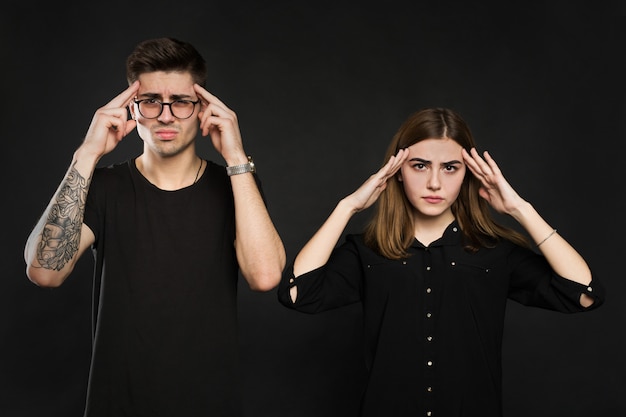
<point>54,244</point>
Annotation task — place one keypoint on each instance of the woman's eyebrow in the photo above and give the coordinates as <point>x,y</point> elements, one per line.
<point>428,162</point>
<point>424,161</point>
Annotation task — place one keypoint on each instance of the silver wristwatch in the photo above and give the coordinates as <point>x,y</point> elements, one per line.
<point>241,169</point>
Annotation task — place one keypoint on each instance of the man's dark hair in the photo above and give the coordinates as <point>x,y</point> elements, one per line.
<point>168,55</point>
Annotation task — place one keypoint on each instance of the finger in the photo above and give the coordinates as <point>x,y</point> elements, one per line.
<point>208,97</point>
<point>472,164</point>
<point>207,120</point>
<point>129,126</point>
<point>123,99</point>
<point>116,121</point>
<point>492,163</point>
<point>478,160</point>
<point>479,166</point>
<point>213,105</point>
<point>215,115</point>
<point>219,110</point>
<point>391,166</point>
<point>399,159</point>
<point>204,128</point>
<point>213,123</point>
<point>119,127</point>
<point>466,156</point>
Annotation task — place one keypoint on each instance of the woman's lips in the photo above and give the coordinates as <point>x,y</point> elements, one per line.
<point>433,199</point>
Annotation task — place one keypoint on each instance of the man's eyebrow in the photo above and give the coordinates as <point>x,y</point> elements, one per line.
<point>149,95</point>
<point>180,96</point>
<point>173,97</point>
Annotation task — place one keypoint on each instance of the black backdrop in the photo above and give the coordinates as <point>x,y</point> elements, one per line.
<point>320,88</point>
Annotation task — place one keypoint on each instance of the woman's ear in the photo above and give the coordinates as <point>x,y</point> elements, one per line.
<point>399,176</point>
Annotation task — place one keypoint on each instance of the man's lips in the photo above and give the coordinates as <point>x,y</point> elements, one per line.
<point>166,134</point>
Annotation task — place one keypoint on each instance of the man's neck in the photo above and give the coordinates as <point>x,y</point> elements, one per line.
<point>170,173</point>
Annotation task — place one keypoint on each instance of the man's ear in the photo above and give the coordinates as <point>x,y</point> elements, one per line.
<point>131,112</point>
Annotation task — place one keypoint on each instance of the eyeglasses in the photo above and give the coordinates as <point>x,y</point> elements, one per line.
<point>151,108</point>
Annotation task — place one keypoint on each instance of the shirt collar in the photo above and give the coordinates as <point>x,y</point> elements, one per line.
<point>451,237</point>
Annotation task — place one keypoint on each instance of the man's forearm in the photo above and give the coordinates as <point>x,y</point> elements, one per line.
<point>60,237</point>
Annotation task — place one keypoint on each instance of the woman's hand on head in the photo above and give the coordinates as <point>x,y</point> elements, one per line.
<point>494,187</point>
<point>371,189</point>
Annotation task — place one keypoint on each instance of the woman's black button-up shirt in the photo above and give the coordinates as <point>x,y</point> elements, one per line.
<point>434,321</point>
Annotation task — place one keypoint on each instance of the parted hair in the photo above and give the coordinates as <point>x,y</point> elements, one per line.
<point>168,55</point>
<point>390,232</point>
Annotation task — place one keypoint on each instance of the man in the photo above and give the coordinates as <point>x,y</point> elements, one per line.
<point>170,231</point>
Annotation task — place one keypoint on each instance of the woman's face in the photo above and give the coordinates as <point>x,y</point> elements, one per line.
<point>432,176</point>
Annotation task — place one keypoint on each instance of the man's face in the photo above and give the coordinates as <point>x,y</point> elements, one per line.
<point>173,129</point>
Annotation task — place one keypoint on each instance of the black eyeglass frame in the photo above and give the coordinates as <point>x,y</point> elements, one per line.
<point>163,104</point>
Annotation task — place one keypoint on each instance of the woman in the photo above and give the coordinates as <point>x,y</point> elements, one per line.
<point>434,270</point>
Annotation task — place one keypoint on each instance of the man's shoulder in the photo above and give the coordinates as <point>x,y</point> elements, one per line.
<point>115,168</point>
<point>113,173</point>
<point>216,169</point>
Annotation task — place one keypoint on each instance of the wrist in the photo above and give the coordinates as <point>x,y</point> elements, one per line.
<point>522,211</point>
<point>241,168</point>
<point>234,157</point>
<point>85,159</point>
<point>347,206</point>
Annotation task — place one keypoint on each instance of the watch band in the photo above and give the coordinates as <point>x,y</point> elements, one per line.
<point>241,169</point>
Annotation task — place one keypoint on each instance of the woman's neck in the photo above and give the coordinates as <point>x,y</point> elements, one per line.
<point>427,229</point>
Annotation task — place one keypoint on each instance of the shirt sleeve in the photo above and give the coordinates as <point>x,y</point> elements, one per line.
<point>336,284</point>
<point>534,283</point>
<point>92,215</point>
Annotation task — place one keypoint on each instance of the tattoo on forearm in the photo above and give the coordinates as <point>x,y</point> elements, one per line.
<point>61,233</point>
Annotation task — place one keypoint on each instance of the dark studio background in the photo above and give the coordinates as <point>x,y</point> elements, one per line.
<point>320,88</point>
